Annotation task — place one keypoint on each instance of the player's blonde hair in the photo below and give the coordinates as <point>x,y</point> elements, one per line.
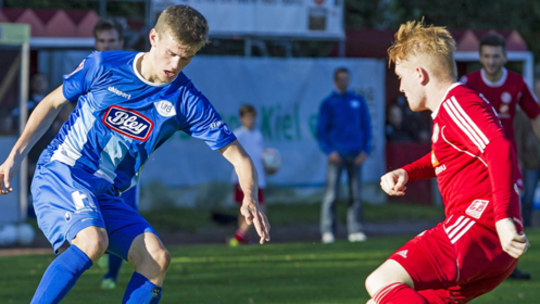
<point>184,23</point>
<point>431,45</point>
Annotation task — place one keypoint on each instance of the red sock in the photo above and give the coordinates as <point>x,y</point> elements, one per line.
<point>241,237</point>
<point>397,293</point>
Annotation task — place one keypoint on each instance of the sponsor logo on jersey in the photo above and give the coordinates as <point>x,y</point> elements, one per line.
<point>355,104</point>
<point>435,135</point>
<point>119,93</point>
<point>128,122</point>
<point>506,97</point>
<point>434,161</point>
<point>81,65</point>
<point>165,108</point>
<point>440,169</point>
<point>476,208</point>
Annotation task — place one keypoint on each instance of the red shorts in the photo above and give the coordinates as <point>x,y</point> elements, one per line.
<point>455,261</point>
<point>238,195</point>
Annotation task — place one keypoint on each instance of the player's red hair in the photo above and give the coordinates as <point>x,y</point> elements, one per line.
<point>433,45</point>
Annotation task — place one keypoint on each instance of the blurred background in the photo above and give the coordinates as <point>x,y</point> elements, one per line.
<point>278,55</point>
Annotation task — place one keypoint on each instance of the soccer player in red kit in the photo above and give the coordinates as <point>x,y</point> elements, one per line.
<point>477,245</point>
<point>504,89</point>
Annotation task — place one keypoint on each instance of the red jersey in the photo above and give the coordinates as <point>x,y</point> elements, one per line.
<point>504,95</point>
<point>473,160</point>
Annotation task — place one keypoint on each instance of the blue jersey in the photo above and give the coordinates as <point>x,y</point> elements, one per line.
<point>121,118</point>
<point>344,124</point>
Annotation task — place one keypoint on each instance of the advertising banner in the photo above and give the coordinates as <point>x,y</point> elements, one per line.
<point>287,18</point>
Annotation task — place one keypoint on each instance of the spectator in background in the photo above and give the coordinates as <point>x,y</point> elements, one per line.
<point>395,130</point>
<point>344,135</point>
<point>108,35</point>
<point>251,139</point>
<point>504,90</point>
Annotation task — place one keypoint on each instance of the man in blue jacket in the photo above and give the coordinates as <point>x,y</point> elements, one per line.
<point>344,134</point>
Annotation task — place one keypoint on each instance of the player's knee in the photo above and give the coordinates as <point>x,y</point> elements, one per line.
<point>371,283</point>
<point>93,241</point>
<point>162,258</point>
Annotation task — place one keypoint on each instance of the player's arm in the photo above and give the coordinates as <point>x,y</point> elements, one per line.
<point>480,132</point>
<point>40,120</point>
<point>529,104</point>
<point>500,159</point>
<point>247,178</point>
<point>393,182</point>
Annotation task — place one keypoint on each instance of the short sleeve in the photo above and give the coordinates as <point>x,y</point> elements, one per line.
<point>528,102</point>
<point>199,119</point>
<point>79,81</point>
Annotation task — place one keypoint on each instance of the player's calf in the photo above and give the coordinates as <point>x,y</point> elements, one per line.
<point>149,257</point>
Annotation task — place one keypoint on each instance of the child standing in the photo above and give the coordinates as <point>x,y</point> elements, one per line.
<point>252,140</point>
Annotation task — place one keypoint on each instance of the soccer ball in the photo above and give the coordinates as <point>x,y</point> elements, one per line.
<point>8,234</point>
<point>25,234</point>
<point>271,160</point>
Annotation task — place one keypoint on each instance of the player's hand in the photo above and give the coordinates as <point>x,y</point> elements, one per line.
<point>7,170</point>
<point>334,158</point>
<point>253,214</point>
<point>360,158</point>
<point>512,242</point>
<point>393,182</point>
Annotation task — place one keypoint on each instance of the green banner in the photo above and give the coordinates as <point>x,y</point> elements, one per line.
<point>14,33</point>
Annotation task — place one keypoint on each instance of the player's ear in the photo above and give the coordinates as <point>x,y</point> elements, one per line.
<point>153,37</point>
<point>422,75</point>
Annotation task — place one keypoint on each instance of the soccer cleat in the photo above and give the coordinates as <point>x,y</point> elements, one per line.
<point>328,238</point>
<point>357,237</point>
<point>108,283</point>
<point>519,275</point>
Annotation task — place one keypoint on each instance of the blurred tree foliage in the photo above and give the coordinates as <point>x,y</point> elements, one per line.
<point>520,15</point>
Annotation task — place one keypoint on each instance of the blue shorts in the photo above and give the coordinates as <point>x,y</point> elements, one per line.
<point>69,199</point>
<point>131,197</point>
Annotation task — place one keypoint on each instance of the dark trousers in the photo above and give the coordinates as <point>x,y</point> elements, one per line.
<point>328,208</point>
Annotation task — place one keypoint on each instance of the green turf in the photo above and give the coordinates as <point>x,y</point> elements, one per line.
<point>273,273</point>
<point>192,219</point>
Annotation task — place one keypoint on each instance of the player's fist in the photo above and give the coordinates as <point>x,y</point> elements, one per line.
<point>512,242</point>
<point>7,170</point>
<point>393,182</point>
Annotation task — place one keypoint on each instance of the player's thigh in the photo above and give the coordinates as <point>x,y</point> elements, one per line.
<point>429,259</point>
<point>387,273</point>
<point>64,204</point>
<point>123,224</point>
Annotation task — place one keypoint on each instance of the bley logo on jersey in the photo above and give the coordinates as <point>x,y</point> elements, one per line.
<point>128,122</point>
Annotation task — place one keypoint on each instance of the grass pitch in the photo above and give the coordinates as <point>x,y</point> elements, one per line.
<point>273,273</point>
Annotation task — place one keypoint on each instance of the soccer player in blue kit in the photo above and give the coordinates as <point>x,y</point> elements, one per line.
<point>128,104</point>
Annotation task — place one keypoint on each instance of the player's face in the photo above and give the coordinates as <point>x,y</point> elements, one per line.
<point>108,40</point>
<point>492,58</point>
<point>410,85</point>
<point>248,120</point>
<point>170,57</point>
<point>341,81</point>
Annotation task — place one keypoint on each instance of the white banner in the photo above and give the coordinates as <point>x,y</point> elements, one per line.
<point>288,18</point>
<point>287,94</point>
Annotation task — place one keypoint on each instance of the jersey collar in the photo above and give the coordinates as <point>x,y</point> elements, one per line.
<point>434,113</point>
<point>497,83</point>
